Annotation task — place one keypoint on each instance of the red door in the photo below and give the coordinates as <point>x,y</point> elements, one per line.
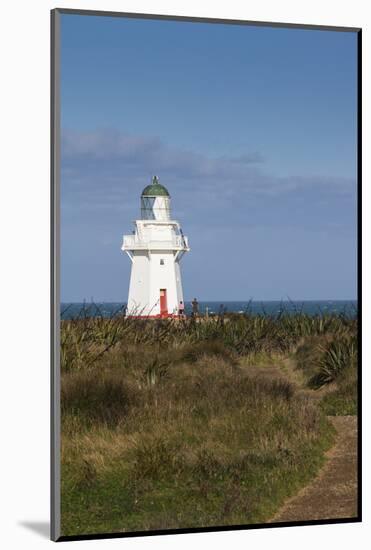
<point>163,302</point>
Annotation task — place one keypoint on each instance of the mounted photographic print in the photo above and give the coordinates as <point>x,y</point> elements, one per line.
<point>205,347</point>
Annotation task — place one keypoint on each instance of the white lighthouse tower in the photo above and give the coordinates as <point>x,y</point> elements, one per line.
<point>155,249</point>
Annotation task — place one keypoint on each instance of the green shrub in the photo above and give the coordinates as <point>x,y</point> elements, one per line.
<point>191,353</point>
<point>102,396</point>
<point>337,356</point>
<point>344,399</point>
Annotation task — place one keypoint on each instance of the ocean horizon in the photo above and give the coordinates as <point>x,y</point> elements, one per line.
<point>75,310</point>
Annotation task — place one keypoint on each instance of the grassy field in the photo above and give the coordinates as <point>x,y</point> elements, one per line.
<point>169,424</point>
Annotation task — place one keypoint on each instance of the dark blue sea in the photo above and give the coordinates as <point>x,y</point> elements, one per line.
<point>310,307</point>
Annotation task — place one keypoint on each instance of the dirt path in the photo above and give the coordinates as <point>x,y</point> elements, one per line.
<point>333,493</point>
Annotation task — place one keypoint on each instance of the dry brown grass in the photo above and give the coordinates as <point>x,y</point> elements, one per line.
<point>206,435</point>
<point>164,426</point>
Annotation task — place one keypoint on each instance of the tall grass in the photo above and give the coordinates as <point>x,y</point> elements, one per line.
<point>331,360</point>
<point>164,427</point>
<point>336,356</point>
<point>85,340</point>
<point>206,445</point>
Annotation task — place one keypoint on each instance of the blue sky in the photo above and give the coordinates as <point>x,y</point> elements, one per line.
<point>252,130</point>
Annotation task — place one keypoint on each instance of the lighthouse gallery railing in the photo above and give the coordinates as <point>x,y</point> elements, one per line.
<point>132,242</point>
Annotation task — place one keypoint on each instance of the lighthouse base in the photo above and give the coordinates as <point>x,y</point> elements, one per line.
<point>155,289</point>
<point>168,316</point>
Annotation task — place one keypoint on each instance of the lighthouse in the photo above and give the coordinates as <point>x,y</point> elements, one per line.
<point>155,249</point>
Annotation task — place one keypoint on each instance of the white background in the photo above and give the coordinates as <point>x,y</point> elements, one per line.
<point>25,261</point>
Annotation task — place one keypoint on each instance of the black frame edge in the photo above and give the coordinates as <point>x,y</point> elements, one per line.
<point>196,19</point>
<point>226,528</point>
<point>359,265</point>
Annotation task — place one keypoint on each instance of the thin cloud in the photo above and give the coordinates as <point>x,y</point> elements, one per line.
<point>106,166</point>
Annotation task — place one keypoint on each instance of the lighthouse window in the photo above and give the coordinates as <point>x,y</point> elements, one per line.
<point>162,262</point>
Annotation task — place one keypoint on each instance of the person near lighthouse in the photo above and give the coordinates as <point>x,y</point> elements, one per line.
<point>181,309</point>
<point>195,307</point>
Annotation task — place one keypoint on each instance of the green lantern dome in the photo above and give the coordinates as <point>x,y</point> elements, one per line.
<point>155,189</point>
